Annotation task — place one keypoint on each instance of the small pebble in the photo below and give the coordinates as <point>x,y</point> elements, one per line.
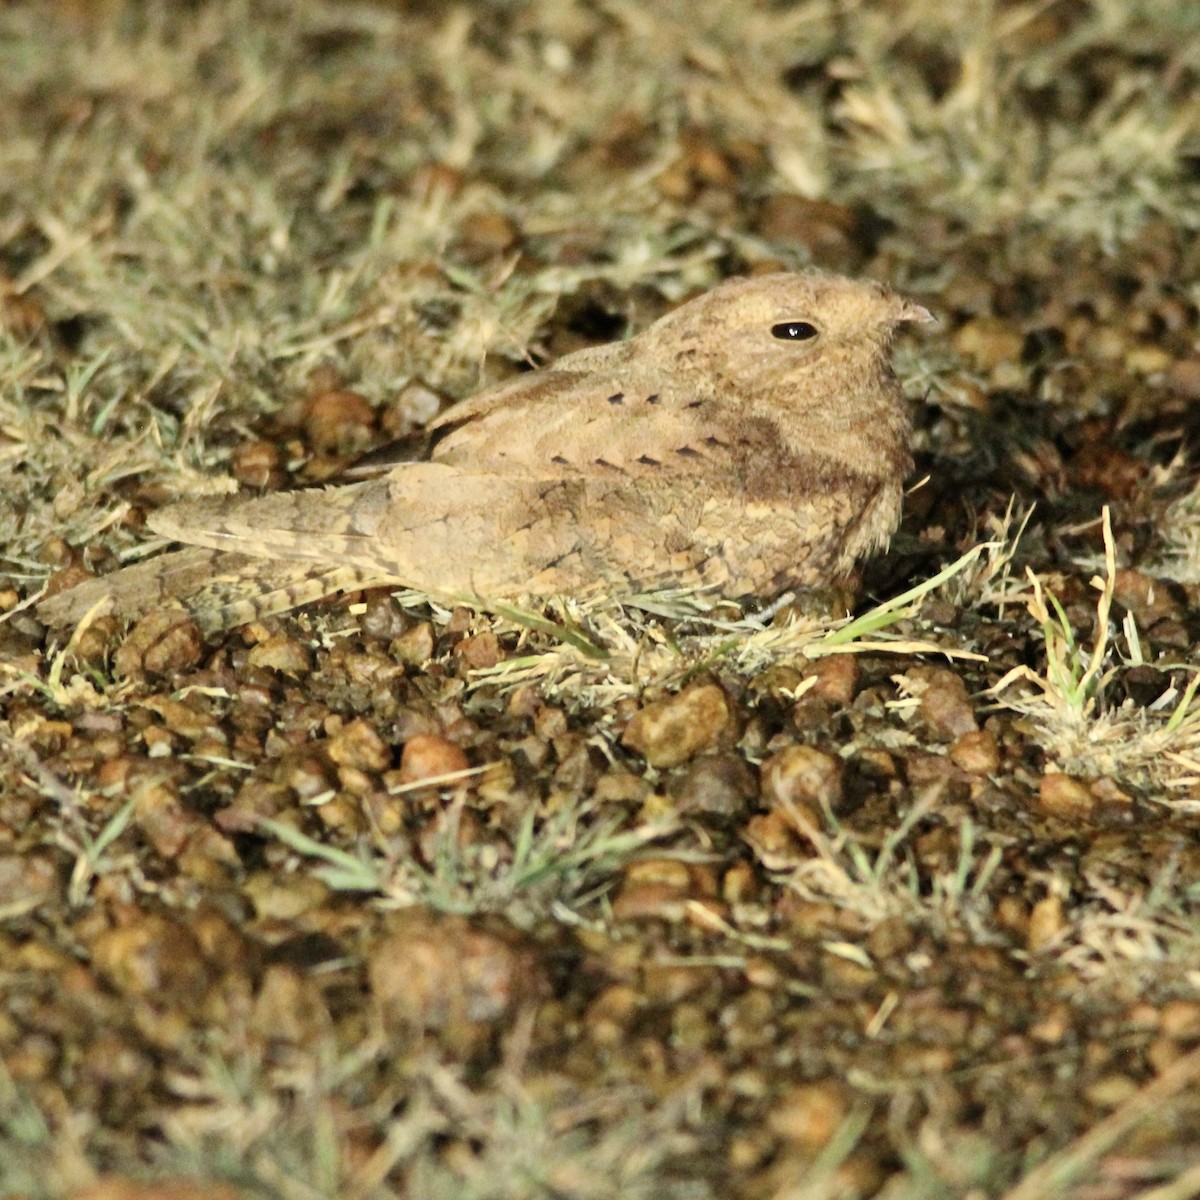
<point>803,777</point>
<point>1184,377</point>
<point>358,745</point>
<point>1180,1019</point>
<point>429,756</point>
<point>716,785</point>
<point>808,1114</point>
<point>1046,921</point>
<point>944,703</point>
<point>288,655</point>
<point>445,973</point>
<point>338,421</point>
<point>165,640</point>
<point>1065,797</point>
<point>151,956</point>
<point>837,678</point>
<point>485,234</point>
<point>976,752</point>
<point>669,732</point>
<point>258,465</point>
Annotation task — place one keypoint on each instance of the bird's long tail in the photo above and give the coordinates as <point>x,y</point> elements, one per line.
<point>220,589</point>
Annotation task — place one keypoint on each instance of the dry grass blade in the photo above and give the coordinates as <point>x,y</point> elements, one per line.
<point>1066,1167</point>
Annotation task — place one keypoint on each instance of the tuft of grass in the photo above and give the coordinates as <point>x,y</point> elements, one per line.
<point>998,148</point>
<point>1077,719</point>
<point>280,1132</point>
<point>39,1158</point>
<point>1180,527</point>
<point>888,883</point>
<point>560,862</point>
<point>605,651</point>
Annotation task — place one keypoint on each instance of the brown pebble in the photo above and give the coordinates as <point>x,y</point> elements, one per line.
<point>1149,599</point>
<point>1046,922</point>
<point>1147,359</point>
<point>288,655</point>
<point>654,889</point>
<point>57,552</point>
<point>1065,797</point>
<point>257,465</point>
<point>1055,1024</point>
<point>428,756</point>
<point>151,956</point>
<point>162,819</point>
<point>837,679</point>
<point>890,938</point>
<point>288,1007</point>
<point>413,407</point>
<point>416,645</point>
<point>164,640</point>
<point>649,902</point>
<point>668,872</point>
<point>740,884</point>
<point>976,752</point>
<point>92,643</point>
<point>1144,684</point>
<point>358,745</point>
<point>944,703</point>
<point>479,652</point>
<point>616,786</point>
<point>669,732</point>
<point>445,973</point>
<point>805,778</point>
<point>285,898</point>
<point>435,179</point>
<point>488,233</point>
<point>1162,1053</point>
<point>808,1114</point>
<point>669,984</point>
<point>338,421</point>
<point>717,785</point>
<point>749,1149</point>
<point>610,1014</point>
<point>66,577</point>
<point>21,313</point>
<point>773,838</point>
<point>27,881</point>
<point>384,619</point>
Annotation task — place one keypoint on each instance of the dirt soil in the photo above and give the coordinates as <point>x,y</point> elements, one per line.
<point>384,899</point>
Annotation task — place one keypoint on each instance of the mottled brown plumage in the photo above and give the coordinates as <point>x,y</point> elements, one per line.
<point>754,439</point>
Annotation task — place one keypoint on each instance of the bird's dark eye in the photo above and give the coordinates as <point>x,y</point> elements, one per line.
<point>794,331</point>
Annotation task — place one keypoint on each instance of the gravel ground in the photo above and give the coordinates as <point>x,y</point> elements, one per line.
<point>383,899</point>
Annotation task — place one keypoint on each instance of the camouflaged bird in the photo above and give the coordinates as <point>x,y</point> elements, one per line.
<point>752,440</point>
